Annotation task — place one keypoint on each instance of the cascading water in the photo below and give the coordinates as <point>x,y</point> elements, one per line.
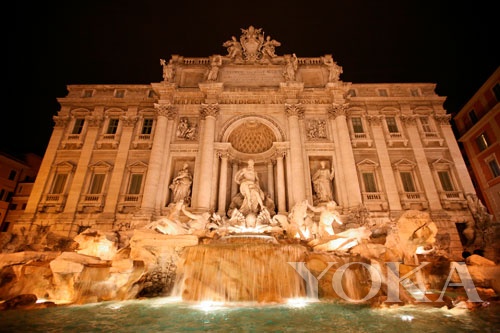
<point>241,269</point>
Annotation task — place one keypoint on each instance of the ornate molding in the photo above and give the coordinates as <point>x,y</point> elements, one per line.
<point>337,110</point>
<point>443,119</point>
<point>409,120</point>
<point>165,110</point>
<point>223,153</point>
<point>375,120</point>
<point>129,121</point>
<point>94,121</point>
<point>280,153</point>
<point>294,110</point>
<point>60,121</point>
<point>209,110</point>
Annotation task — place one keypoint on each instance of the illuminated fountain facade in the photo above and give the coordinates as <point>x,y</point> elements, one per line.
<point>247,145</point>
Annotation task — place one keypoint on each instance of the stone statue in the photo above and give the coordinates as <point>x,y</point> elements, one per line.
<point>215,64</point>
<point>168,70</point>
<point>181,185</point>
<point>322,184</point>
<point>328,215</point>
<point>291,66</point>
<point>185,130</point>
<point>268,48</point>
<point>253,196</point>
<point>334,70</point>
<point>234,50</point>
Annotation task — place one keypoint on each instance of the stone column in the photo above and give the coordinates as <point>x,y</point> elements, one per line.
<point>270,179</point>
<point>214,183</point>
<point>456,155</point>
<point>294,111</point>
<point>422,163</point>
<point>223,155</point>
<point>161,198</point>
<point>280,175</point>
<point>82,168</point>
<point>43,175</point>
<point>209,113</point>
<point>386,169</point>
<point>339,112</point>
<point>234,186</point>
<point>115,183</point>
<point>155,160</point>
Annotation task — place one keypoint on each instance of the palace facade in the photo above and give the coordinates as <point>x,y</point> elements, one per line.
<point>115,149</point>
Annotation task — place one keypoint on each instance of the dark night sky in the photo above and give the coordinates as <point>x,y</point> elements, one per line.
<point>56,43</point>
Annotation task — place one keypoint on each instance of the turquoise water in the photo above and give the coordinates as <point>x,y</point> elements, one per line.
<point>171,315</point>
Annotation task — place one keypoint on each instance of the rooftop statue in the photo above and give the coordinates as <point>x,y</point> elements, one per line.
<point>251,46</point>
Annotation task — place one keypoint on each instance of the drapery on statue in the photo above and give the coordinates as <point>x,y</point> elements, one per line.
<point>253,196</point>
<point>322,183</point>
<point>334,70</point>
<point>181,186</point>
<point>291,66</point>
<point>234,49</point>
<point>168,70</point>
<point>213,72</point>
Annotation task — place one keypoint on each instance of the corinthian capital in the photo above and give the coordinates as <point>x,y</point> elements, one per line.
<point>209,110</point>
<point>337,110</point>
<point>443,119</point>
<point>165,110</point>
<point>60,121</point>
<point>129,121</point>
<point>94,121</point>
<point>409,120</point>
<point>294,110</point>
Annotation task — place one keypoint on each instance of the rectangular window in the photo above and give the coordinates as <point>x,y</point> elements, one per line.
<point>496,91</point>
<point>357,125</point>
<point>369,180</point>
<point>391,124</point>
<point>12,174</point>
<point>135,183</point>
<point>5,227</point>
<point>12,206</point>
<point>495,169</point>
<point>425,124</point>
<point>446,184</point>
<point>147,126</point>
<point>59,183</point>
<point>120,93</point>
<point>473,116</point>
<point>78,127</point>
<point>97,183</point>
<point>2,192</point>
<point>87,93</point>
<point>407,181</point>
<point>112,126</point>
<point>382,92</point>
<point>482,142</point>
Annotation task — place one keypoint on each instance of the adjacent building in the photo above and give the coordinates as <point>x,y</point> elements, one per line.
<point>115,149</point>
<point>478,127</point>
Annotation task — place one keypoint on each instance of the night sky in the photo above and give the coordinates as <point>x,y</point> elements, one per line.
<point>51,44</point>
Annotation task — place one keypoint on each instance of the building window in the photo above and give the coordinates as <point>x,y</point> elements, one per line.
<point>5,226</point>
<point>446,184</point>
<point>369,181</point>
<point>426,126</point>
<point>23,207</point>
<point>382,92</point>
<point>112,126</point>
<point>2,192</point>
<point>473,116</point>
<point>495,169</point>
<point>496,91</point>
<point>357,125</point>
<point>135,183</point>
<point>415,92</point>
<point>20,189</point>
<point>120,93</point>
<point>392,126</point>
<point>87,93</point>
<point>78,127</point>
<point>12,206</point>
<point>97,183</point>
<point>482,141</point>
<point>59,183</point>
<point>407,181</point>
<point>12,174</point>
<point>147,126</point>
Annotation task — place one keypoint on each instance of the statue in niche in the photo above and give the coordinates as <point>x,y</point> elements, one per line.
<point>322,184</point>
<point>253,196</point>
<point>334,70</point>
<point>181,186</point>
<point>168,70</point>
<point>185,130</point>
<point>234,50</point>
<point>213,72</point>
<point>291,66</point>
